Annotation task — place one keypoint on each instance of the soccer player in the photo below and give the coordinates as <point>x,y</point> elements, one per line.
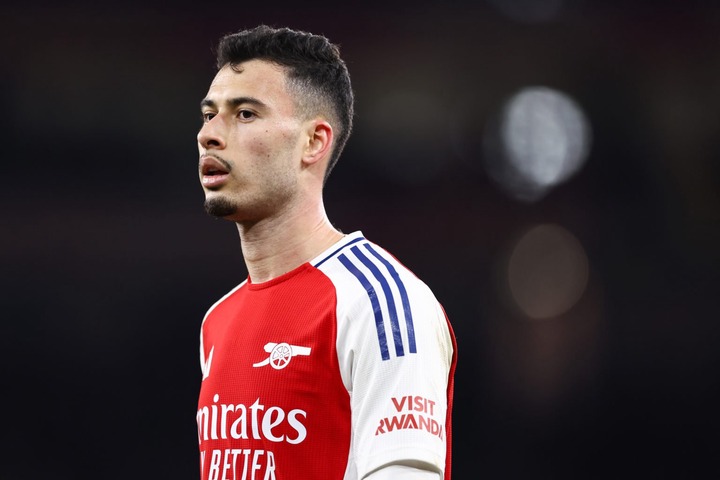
<point>331,360</point>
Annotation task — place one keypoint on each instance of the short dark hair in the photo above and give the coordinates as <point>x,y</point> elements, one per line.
<point>314,70</point>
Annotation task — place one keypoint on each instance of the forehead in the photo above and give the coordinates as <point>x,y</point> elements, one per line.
<point>259,79</point>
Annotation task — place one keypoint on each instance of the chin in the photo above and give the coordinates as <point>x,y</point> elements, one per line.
<point>220,207</point>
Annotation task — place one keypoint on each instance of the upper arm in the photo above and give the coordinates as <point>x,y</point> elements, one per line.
<point>397,369</point>
<point>403,472</point>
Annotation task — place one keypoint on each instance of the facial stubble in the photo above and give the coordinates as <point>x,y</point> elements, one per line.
<point>220,207</point>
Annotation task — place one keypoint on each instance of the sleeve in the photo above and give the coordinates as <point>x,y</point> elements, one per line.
<point>396,352</point>
<point>402,472</point>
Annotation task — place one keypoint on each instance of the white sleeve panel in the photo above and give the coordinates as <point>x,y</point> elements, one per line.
<point>395,353</point>
<point>402,472</point>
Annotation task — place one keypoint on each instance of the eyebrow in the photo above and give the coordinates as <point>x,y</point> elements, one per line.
<point>233,102</point>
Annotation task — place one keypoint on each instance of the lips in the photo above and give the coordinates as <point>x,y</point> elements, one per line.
<point>213,172</point>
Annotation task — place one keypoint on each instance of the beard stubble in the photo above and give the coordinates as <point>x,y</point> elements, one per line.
<point>220,207</point>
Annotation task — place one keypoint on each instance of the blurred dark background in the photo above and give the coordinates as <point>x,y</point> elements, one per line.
<point>583,287</point>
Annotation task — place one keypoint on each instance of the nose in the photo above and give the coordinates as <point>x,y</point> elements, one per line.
<point>211,135</point>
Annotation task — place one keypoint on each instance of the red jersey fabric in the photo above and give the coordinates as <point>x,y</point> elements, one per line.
<point>330,371</point>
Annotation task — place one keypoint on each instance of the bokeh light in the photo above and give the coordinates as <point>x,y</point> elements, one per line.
<point>547,271</point>
<point>541,139</point>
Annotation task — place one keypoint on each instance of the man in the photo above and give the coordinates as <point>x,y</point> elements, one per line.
<point>332,360</point>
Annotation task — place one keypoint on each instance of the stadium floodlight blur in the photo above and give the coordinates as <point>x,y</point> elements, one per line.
<point>540,139</point>
<point>547,272</point>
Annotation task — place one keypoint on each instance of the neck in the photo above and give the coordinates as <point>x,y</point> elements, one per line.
<point>275,246</point>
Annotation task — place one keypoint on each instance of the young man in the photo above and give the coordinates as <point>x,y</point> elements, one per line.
<point>331,360</point>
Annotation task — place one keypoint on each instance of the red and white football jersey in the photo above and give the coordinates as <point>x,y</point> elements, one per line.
<point>330,371</point>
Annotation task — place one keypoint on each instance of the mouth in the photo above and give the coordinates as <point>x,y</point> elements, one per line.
<point>213,172</point>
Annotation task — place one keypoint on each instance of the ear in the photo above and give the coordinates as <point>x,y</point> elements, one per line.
<point>319,143</point>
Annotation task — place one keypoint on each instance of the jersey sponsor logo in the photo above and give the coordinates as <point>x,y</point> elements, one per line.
<point>206,364</point>
<point>224,421</point>
<point>229,421</point>
<point>239,464</point>
<point>412,412</point>
<point>383,274</point>
<point>281,354</point>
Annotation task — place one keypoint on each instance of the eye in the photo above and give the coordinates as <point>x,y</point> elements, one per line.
<point>207,116</point>
<point>246,115</point>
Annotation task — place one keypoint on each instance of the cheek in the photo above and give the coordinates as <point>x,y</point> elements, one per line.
<point>276,147</point>
<point>260,150</point>
<point>270,148</point>
<point>264,161</point>
<point>262,144</point>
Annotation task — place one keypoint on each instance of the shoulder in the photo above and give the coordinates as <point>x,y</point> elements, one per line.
<point>358,268</point>
<point>379,300</point>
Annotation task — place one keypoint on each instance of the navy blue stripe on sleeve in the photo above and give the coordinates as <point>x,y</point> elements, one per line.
<point>403,297</point>
<point>395,325</point>
<point>372,294</point>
